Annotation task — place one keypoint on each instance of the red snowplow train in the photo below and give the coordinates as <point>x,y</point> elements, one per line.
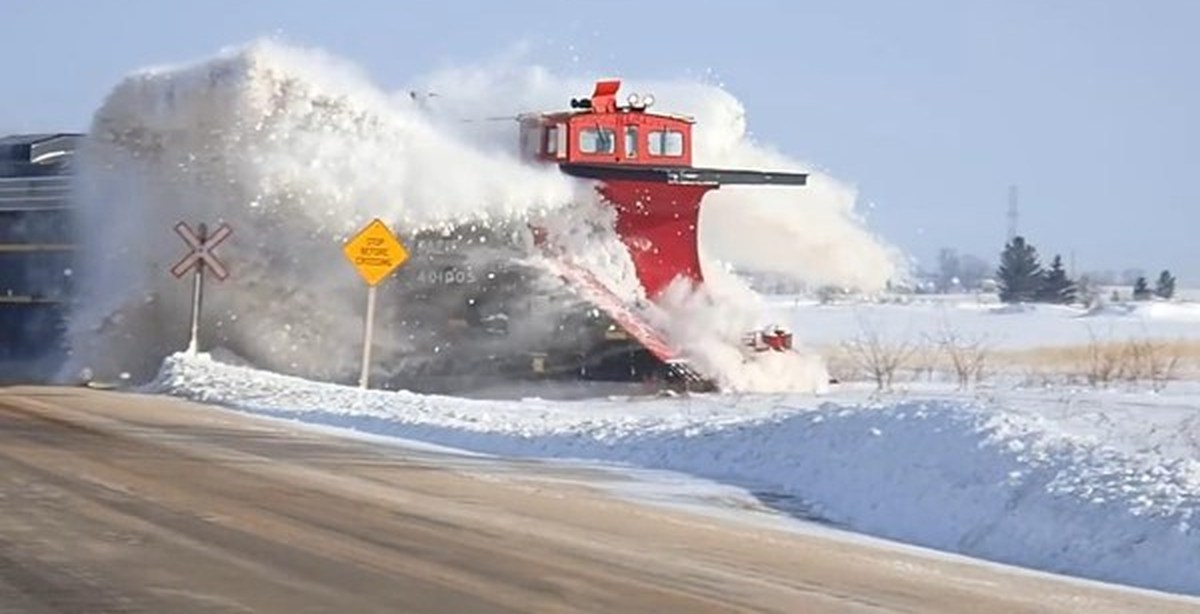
<point>641,161</point>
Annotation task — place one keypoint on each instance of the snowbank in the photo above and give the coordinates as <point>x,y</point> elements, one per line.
<point>963,477</point>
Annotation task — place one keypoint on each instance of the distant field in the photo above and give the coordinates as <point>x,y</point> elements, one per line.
<point>1121,341</point>
<point>1063,358</point>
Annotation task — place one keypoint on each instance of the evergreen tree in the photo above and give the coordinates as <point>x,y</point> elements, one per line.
<point>1020,273</point>
<point>1165,287</point>
<point>1141,289</point>
<point>1056,286</point>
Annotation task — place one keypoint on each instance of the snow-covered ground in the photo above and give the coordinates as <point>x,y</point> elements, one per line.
<point>1003,326</point>
<point>1103,485</point>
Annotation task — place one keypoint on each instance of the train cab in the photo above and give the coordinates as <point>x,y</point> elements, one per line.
<point>598,130</point>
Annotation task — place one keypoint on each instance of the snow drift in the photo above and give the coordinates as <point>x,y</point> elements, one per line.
<point>296,150</point>
<point>961,477</point>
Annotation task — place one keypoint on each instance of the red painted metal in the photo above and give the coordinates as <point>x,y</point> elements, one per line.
<point>658,224</point>
<point>778,340</point>
<point>656,218</point>
<point>604,113</point>
<point>578,123</point>
<point>629,320</point>
<point>656,198</point>
<point>604,96</point>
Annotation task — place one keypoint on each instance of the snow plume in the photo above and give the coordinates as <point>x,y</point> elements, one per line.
<point>811,234</point>
<point>585,235</point>
<point>295,150</point>
<point>710,322</point>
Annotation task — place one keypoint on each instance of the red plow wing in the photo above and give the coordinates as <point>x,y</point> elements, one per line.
<point>595,292</point>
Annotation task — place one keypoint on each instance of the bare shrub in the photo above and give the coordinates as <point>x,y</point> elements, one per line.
<point>1103,361</point>
<point>1132,360</point>
<point>876,357</point>
<point>968,355</point>
<point>1152,360</point>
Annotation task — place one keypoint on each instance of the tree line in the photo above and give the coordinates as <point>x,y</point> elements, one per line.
<point>1023,279</point>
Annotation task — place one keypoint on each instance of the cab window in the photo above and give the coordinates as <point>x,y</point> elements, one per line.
<point>531,140</point>
<point>631,141</point>
<point>597,141</point>
<point>666,143</point>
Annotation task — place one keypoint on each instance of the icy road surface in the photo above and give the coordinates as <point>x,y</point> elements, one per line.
<point>130,503</point>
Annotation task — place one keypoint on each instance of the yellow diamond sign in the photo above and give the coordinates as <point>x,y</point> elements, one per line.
<point>375,252</point>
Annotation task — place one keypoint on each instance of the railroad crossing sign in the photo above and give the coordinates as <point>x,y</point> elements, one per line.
<point>375,252</point>
<point>202,247</point>
<point>199,260</point>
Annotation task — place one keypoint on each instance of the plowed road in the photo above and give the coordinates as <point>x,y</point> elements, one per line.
<point>122,503</point>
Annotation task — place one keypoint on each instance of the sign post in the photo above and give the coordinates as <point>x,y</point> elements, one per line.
<point>200,258</point>
<point>375,252</point>
<point>364,374</point>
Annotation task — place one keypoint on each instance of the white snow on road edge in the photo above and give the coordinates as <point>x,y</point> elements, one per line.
<point>956,476</point>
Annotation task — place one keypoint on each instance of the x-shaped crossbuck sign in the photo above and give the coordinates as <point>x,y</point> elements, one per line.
<point>202,246</point>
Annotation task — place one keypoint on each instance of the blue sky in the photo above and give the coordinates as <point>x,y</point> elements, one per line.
<point>931,108</point>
